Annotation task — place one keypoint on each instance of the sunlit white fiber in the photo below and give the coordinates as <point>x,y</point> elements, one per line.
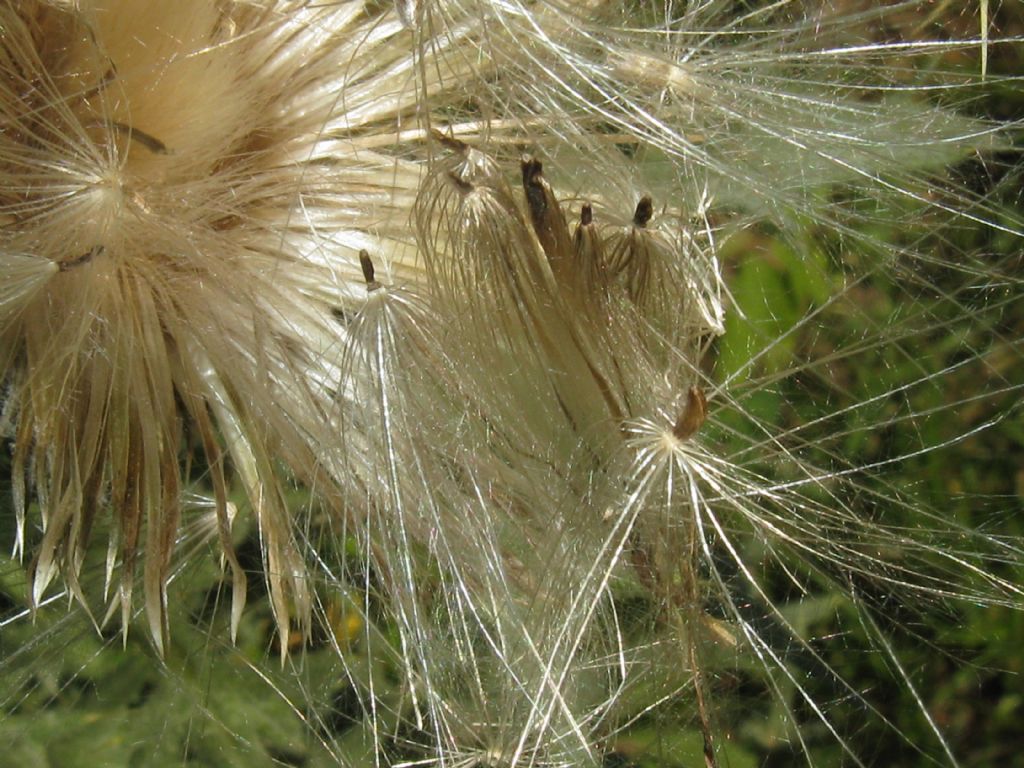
<point>457,267</point>
<point>165,169</point>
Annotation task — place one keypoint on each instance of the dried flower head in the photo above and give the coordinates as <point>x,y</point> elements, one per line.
<point>184,190</point>
<point>458,267</point>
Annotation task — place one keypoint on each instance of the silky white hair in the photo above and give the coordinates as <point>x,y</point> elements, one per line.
<point>456,269</point>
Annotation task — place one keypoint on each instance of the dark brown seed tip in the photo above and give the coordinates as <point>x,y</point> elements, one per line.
<point>368,273</point>
<point>83,258</point>
<point>533,170</point>
<point>465,187</point>
<point>367,264</point>
<point>693,415</point>
<point>448,142</point>
<point>644,211</point>
<point>536,190</point>
<point>152,143</point>
<point>586,215</point>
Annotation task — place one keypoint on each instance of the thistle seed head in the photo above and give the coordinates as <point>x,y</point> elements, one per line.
<point>164,200</point>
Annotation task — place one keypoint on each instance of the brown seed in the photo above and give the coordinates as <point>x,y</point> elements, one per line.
<point>693,415</point>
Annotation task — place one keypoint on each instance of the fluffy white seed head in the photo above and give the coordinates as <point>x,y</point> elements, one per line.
<point>173,241</point>
<point>457,267</point>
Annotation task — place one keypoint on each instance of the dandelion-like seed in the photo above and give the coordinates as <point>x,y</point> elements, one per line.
<point>458,267</point>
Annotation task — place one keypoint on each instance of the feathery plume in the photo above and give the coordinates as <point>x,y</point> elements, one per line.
<point>463,269</point>
<point>171,183</point>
